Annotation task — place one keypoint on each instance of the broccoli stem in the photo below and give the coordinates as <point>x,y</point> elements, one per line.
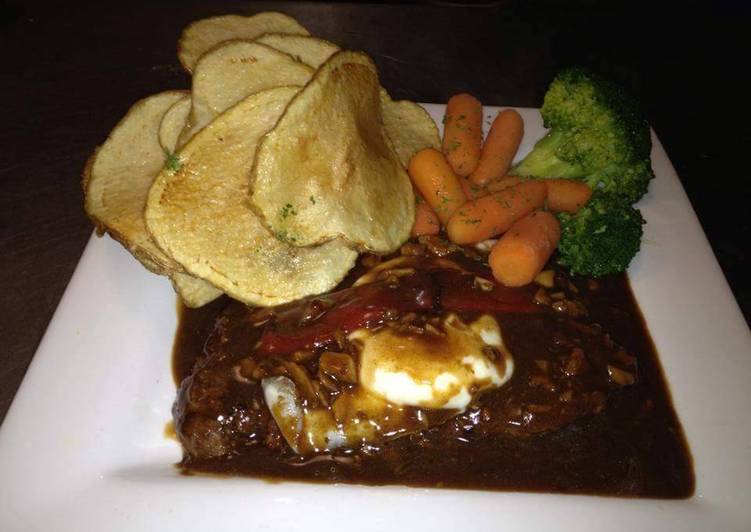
<point>542,161</point>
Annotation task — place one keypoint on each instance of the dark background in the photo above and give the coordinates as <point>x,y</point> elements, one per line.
<point>70,71</point>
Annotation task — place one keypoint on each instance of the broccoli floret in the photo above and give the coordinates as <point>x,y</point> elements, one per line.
<point>602,237</point>
<point>597,135</point>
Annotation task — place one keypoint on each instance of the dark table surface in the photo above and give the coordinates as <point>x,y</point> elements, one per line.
<point>71,70</point>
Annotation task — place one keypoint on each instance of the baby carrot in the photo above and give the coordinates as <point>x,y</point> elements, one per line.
<point>471,190</point>
<point>491,215</point>
<point>563,194</point>
<point>523,251</point>
<point>506,181</point>
<point>462,133</point>
<point>433,177</point>
<point>567,195</point>
<point>500,147</point>
<point>426,221</point>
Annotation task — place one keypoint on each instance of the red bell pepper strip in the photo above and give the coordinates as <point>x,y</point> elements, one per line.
<point>352,308</point>
<point>369,305</point>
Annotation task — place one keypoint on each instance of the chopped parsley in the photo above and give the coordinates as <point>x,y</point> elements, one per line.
<point>454,144</point>
<point>287,210</point>
<point>173,162</point>
<point>285,237</point>
<point>312,200</point>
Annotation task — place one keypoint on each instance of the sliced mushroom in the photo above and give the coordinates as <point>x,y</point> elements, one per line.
<point>339,366</point>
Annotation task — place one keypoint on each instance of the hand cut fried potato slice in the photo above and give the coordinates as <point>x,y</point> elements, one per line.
<point>409,127</point>
<point>194,292</point>
<point>118,177</point>
<point>202,35</point>
<point>117,181</point>
<point>235,69</point>
<point>232,71</point>
<point>309,50</point>
<point>199,214</point>
<point>328,169</point>
<point>173,123</point>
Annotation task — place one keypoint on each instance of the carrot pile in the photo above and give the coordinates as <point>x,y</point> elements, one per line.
<point>467,190</point>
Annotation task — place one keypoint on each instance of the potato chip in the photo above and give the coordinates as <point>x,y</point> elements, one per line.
<point>117,181</point>
<point>409,127</point>
<point>328,169</point>
<point>118,177</point>
<point>232,71</point>
<point>309,50</point>
<point>198,212</point>
<point>202,35</point>
<point>194,292</point>
<point>173,122</point>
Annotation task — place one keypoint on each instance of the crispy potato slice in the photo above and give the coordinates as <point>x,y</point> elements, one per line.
<point>409,127</point>
<point>232,71</point>
<point>328,169</point>
<point>117,181</point>
<point>194,292</point>
<point>202,35</point>
<point>199,214</point>
<point>173,123</point>
<point>309,50</point>
<point>118,176</point>
<point>236,69</point>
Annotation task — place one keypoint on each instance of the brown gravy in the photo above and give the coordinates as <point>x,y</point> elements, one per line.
<point>634,447</point>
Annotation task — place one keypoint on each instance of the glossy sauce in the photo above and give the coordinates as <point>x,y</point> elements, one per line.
<point>633,446</point>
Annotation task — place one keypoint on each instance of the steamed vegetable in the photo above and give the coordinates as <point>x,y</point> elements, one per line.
<point>602,237</point>
<point>426,221</point>
<point>462,133</point>
<point>567,195</point>
<point>499,148</point>
<point>597,135</point>
<point>522,252</point>
<point>436,181</point>
<point>491,215</point>
<point>563,194</point>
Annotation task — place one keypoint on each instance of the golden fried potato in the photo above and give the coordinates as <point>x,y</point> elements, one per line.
<point>204,34</point>
<point>232,71</point>
<point>117,181</point>
<point>173,122</point>
<point>309,50</point>
<point>409,127</point>
<point>118,177</point>
<point>328,169</point>
<point>198,212</point>
<point>194,292</point>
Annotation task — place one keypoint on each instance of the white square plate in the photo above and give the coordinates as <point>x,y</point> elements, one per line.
<point>83,445</point>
